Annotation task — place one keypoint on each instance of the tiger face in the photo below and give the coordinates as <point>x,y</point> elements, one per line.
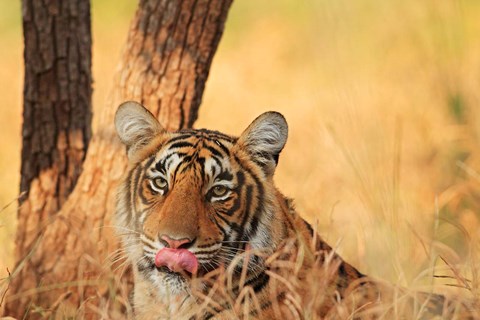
<point>192,201</point>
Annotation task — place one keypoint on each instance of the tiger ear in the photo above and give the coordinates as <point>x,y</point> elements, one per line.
<point>136,126</point>
<point>265,138</point>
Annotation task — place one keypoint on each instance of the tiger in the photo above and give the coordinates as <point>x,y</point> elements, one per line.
<point>209,235</point>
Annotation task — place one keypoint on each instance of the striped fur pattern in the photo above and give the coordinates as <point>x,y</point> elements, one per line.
<point>257,257</point>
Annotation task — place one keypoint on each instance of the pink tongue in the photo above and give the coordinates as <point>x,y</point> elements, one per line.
<point>177,260</point>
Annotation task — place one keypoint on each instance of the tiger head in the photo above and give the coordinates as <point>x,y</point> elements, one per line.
<point>194,200</point>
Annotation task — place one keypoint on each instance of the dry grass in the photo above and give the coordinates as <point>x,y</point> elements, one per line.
<point>382,101</point>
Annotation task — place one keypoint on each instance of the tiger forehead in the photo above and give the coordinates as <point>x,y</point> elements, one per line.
<point>198,148</point>
<point>207,134</point>
<point>202,142</point>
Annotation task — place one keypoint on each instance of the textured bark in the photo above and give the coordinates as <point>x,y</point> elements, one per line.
<point>57,108</point>
<point>164,65</point>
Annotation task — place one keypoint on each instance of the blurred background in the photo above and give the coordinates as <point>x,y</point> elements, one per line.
<point>382,98</point>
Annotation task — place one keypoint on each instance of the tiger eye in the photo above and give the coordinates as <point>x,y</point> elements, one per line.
<point>219,191</point>
<point>160,183</point>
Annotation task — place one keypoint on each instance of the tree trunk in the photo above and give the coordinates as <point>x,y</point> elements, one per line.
<point>165,65</point>
<point>56,111</point>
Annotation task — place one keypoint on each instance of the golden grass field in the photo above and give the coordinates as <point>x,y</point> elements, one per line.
<point>382,99</point>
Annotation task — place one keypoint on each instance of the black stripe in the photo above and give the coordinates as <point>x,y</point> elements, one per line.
<point>259,282</point>
<point>214,151</point>
<point>217,160</point>
<point>234,226</point>
<point>149,162</point>
<point>225,149</point>
<point>161,165</point>
<point>139,174</point>
<point>342,273</point>
<point>212,134</point>
<point>254,225</point>
<point>309,227</point>
<point>214,170</point>
<point>222,230</point>
<point>258,210</point>
<point>248,203</point>
<point>142,196</point>
<point>201,162</point>
<point>181,144</point>
<point>184,159</point>
<point>225,176</point>
<point>181,137</point>
<point>238,191</point>
<point>136,177</point>
<point>187,165</point>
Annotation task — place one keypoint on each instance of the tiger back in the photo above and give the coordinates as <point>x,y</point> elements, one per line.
<point>209,236</point>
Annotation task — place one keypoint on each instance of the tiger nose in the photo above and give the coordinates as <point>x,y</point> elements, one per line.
<point>176,243</point>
